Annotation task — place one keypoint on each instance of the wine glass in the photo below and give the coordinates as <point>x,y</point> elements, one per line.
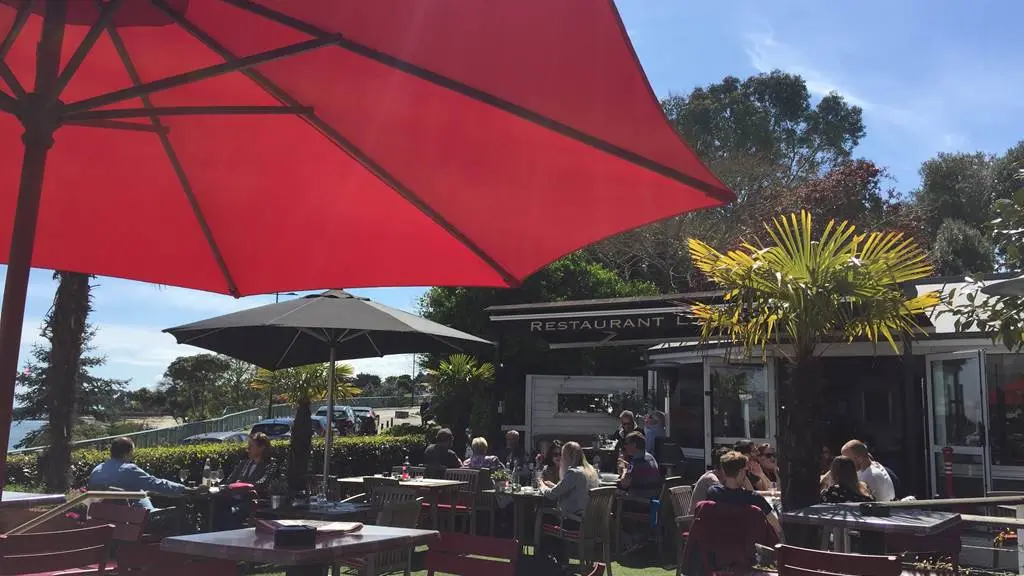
<point>183,474</point>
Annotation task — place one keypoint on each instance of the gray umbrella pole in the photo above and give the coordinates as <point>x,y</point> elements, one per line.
<point>329,436</point>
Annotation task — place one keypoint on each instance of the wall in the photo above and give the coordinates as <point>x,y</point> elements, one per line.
<point>543,418</point>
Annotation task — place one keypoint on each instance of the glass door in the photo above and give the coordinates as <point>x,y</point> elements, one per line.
<point>957,398</point>
<point>739,404</point>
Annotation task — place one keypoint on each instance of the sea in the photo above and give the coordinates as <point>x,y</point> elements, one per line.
<point>20,429</point>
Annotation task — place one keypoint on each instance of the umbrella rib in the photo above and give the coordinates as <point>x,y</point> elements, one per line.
<point>707,188</point>
<point>374,344</point>
<point>179,170</point>
<point>107,11</point>
<point>277,365</point>
<point>341,142</point>
<point>24,11</point>
<point>117,125</point>
<point>9,104</point>
<point>194,76</point>
<point>164,111</point>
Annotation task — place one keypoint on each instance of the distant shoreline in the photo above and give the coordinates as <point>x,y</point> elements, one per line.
<point>21,429</point>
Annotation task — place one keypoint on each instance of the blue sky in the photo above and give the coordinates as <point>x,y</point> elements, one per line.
<point>931,77</point>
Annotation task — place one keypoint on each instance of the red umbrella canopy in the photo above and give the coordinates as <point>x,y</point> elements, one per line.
<point>383,143</point>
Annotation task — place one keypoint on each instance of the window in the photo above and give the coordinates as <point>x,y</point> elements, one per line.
<point>1005,375</point>
<point>584,404</point>
<point>739,401</point>
<point>687,406</point>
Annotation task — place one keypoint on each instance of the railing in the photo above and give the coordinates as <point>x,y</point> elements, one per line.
<point>227,423</point>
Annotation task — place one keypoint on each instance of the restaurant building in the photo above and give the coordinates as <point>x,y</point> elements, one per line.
<point>942,389</point>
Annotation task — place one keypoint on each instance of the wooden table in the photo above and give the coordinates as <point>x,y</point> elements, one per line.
<point>431,487</point>
<point>330,511</point>
<point>250,546</point>
<point>26,500</point>
<point>846,517</point>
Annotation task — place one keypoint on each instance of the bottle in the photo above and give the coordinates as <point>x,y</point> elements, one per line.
<point>207,473</point>
<point>405,469</point>
<point>597,462</point>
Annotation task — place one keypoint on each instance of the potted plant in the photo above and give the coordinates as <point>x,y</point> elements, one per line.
<point>501,479</point>
<point>278,488</point>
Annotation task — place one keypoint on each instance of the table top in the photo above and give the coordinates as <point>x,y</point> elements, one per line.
<point>534,494</point>
<point>424,483</point>
<point>901,521</point>
<point>26,500</point>
<point>250,546</point>
<point>314,511</point>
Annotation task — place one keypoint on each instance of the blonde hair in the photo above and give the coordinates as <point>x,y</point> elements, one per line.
<point>479,445</point>
<point>572,456</point>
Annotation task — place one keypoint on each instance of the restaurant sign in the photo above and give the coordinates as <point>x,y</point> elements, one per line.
<point>641,322</point>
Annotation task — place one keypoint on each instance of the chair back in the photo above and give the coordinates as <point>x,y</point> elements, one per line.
<point>723,538</point>
<point>791,560</point>
<point>372,483</point>
<point>400,514</point>
<point>385,495</point>
<point>681,498</point>
<point>314,483</point>
<point>468,493</point>
<point>665,497</point>
<point>56,551</point>
<point>129,521</point>
<point>491,556</point>
<point>596,523</point>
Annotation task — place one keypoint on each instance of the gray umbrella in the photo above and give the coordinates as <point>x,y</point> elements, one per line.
<point>326,327</point>
<point>1012,287</point>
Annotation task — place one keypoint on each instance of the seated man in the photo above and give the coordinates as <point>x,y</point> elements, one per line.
<point>119,472</point>
<point>641,475</point>
<point>731,491</point>
<point>439,456</point>
<point>870,471</point>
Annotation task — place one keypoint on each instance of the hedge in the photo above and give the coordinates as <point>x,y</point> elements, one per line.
<point>352,456</point>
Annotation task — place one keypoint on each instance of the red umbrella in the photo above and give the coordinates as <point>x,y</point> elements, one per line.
<point>256,146</point>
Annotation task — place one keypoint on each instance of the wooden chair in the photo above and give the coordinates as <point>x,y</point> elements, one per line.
<point>397,515</point>
<point>487,503</point>
<point>491,556</point>
<point>464,498</point>
<point>681,498</point>
<point>793,561</point>
<point>645,517</point>
<point>129,521</point>
<point>595,527</point>
<point>49,552</point>
<point>149,560</point>
<point>372,483</point>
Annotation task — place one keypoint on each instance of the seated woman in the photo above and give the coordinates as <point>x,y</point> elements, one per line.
<point>572,492</point>
<point>551,465</point>
<point>480,459</point>
<point>232,508</point>
<point>841,484</point>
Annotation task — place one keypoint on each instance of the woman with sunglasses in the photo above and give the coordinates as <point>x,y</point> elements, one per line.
<point>769,465</point>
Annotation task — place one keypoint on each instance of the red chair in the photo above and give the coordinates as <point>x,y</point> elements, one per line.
<point>129,521</point>
<point>143,560</point>
<point>51,552</point>
<point>722,539</point>
<point>451,555</point>
<point>946,543</point>
<point>793,561</point>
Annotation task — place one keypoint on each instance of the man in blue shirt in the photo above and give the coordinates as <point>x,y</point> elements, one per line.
<point>120,472</point>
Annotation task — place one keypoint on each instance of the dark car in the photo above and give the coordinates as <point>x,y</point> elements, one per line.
<point>281,428</point>
<point>344,419</point>
<point>217,438</point>
<point>367,419</point>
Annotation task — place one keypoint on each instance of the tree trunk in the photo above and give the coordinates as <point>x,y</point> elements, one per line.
<point>302,441</point>
<point>799,442</point>
<point>71,308</point>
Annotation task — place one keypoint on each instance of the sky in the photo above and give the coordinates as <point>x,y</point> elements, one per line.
<point>931,77</point>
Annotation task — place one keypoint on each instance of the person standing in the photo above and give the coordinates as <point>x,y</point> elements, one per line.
<point>870,471</point>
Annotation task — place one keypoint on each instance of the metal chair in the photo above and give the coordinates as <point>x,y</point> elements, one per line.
<point>464,498</point>
<point>793,561</point>
<point>466,555</point>
<point>595,527</point>
<point>45,552</point>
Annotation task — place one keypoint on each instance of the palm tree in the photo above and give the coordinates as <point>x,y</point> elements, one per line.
<point>66,329</point>
<point>302,386</point>
<point>803,292</point>
<point>461,398</point>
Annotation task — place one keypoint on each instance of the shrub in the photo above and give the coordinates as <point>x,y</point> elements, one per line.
<point>428,431</point>
<point>352,456</point>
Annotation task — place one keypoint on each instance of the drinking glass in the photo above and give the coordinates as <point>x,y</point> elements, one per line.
<point>183,475</point>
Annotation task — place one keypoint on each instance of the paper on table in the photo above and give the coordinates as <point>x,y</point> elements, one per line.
<point>329,528</point>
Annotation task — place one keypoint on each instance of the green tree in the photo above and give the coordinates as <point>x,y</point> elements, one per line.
<point>192,385</point>
<point>399,385</point>
<point>961,249</point>
<point>302,386</point>
<point>959,186</point>
<point>462,393</point>
<point>803,289</point>
<point>368,383</point>
<point>1000,316</point>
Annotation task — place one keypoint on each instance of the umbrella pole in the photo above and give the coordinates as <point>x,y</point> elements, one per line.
<point>39,117</point>
<point>329,436</point>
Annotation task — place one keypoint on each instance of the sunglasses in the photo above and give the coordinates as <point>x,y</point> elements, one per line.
<point>770,456</point>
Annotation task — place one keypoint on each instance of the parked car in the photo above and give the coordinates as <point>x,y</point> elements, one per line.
<point>216,438</point>
<point>281,428</point>
<point>344,419</point>
<point>367,419</point>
